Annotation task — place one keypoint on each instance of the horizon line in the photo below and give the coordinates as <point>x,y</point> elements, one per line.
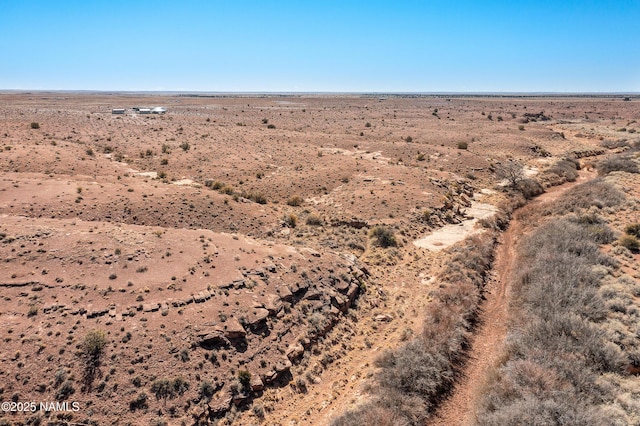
<point>281,93</point>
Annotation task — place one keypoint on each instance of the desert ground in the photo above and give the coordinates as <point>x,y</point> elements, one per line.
<point>245,259</point>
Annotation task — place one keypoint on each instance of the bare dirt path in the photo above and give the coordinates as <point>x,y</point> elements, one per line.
<point>487,342</point>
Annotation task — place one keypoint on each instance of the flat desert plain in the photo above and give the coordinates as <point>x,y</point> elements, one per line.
<point>245,259</point>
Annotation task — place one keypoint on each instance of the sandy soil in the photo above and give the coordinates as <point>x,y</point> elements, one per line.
<point>451,234</point>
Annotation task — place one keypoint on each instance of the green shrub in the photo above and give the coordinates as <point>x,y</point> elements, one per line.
<point>139,403</point>
<point>633,229</point>
<point>206,391</point>
<point>383,236</point>
<point>462,145</point>
<point>244,377</point>
<point>35,125</point>
<point>93,344</point>
<point>629,242</point>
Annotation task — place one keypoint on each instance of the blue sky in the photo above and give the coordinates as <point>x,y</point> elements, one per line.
<point>321,46</point>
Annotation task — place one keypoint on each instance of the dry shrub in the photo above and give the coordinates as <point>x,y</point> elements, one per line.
<point>314,220</point>
<point>622,163</point>
<point>567,168</point>
<point>530,188</point>
<point>256,197</point>
<point>595,193</point>
<point>294,201</point>
<point>370,414</point>
<point>619,143</point>
<point>629,242</point>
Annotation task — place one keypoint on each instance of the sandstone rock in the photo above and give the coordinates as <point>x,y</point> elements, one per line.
<point>273,303</point>
<point>258,315</point>
<point>383,318</point>
<point>283,365</point>
<point>294,351</point>
<point>150,307</point>
<point>233,329</point>
<point>94,313</point>
<point>285,293</point>
<point>299,286</point>
<point>339,302</point>
<point>256,383</point>
<point>341,286</point>
<point>219,405</point>
<point>212,338</point>
<point>314,295</point>
<point>352,293</point>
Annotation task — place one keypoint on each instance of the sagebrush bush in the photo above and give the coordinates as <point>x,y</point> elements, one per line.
<point>256,197</point>
<point>294,201</point>
<point>566,168</point>
<point>371,414</point>
<point>610,144</point>
<point>314,220</point>
<point>617,163</point>
<point>290,220</point>
<point>595,193</point>
<point>139,403</point>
